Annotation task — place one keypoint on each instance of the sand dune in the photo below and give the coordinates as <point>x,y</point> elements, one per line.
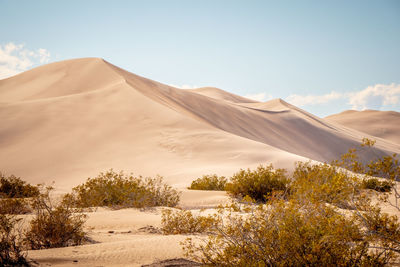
<point>69,120</point>
<point>382,124</point>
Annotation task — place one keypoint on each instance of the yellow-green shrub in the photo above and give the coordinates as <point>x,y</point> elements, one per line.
<point>258,184</point>
<point>323,183</point>
<point>14,187</point>
<point>209,182</point>
<point>120,190</point>
<point>11,247</point>
<point>14,206</point>
<point>302,229</point>
<point>184,222</point>
<point>377,185</point>
<point>54,225</point>
<point>289,234</point>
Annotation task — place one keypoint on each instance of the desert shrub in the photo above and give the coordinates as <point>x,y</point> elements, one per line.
<point>14,187</point>
<point>377,185</point>
<point>121,190</point>
<point>14,206</point>
<point>326,220</point>
<point>288,234</point>
<point>184,222</point>
<point>258,184</point>
<point>209,182</point>
<point>54,225</point>
<point>11,249</point>
<point>324,183</point>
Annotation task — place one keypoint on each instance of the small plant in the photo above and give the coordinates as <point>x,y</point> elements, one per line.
<point>184,222</point>
<point>258,184</point>
<point>14,206</point>
<point>117,190</point>
<point>377,185</point>
<point>209,182</point>
<point>54,226</point>
<point>323,182</point>
<point>11,249</point>
<point>14,187</point>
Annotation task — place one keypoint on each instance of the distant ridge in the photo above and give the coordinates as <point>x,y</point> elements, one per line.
<point>382,124</point>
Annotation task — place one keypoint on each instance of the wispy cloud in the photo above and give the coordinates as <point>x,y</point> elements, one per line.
<point>15,58</point>
<point>305,100</point>
<point>377,96</point>
<point>259,97</point>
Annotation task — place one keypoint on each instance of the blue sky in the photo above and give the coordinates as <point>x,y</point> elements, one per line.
<point>323,56</point>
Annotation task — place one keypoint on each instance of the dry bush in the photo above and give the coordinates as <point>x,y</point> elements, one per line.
<point>14,206</point>
<point>289,234</point>
<point>14,187</point>
<point>54,225</point>
<point>303,228</point>
<point>209,182</point>
<point>324,183</point>
<point>384,167</point>
<point>118,190</point>
<point>11,248</point>
<point>258,184</point>
<point>377,185</point>
<point>184,222</point>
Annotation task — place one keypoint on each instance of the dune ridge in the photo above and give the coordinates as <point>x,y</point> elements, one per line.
<point>381,124</point>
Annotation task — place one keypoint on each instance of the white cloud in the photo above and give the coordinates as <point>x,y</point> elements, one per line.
<point>14,58</point>
<point>259,97</point>
<point>377,96</point>
<point>300,100</point>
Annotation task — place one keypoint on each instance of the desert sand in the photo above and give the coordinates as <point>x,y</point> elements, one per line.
<point>67,121</point>
<point>382,124</point>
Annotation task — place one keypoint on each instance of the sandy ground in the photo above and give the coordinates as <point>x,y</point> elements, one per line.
<point>124,238</point>
<point>131,237</point>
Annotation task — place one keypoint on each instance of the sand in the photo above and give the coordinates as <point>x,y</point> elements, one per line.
<point>67,121</point>
<point>124,238</point>
<point>381,124</point>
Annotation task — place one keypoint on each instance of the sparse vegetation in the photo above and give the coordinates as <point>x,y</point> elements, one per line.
<point>14,206</point>
<point>184,222</point>
<point>209,182</point>
<point>258,184</point>
<point>11,248</point>
<point>14,187</point>
<point>54,225</point>
<point>326,219</point>
<point>289,233</point>
<point>324,183</point>
<point>377,185</point>
<point>14,194</point>
<point>119,190</point>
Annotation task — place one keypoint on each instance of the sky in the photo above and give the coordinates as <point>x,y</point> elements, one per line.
<point>322,56</point>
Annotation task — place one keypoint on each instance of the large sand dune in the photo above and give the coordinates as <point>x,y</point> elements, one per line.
<point>382,124</point>
<point>69,120</point>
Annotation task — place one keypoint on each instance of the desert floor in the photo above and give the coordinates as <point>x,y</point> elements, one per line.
<point>127,237</point>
